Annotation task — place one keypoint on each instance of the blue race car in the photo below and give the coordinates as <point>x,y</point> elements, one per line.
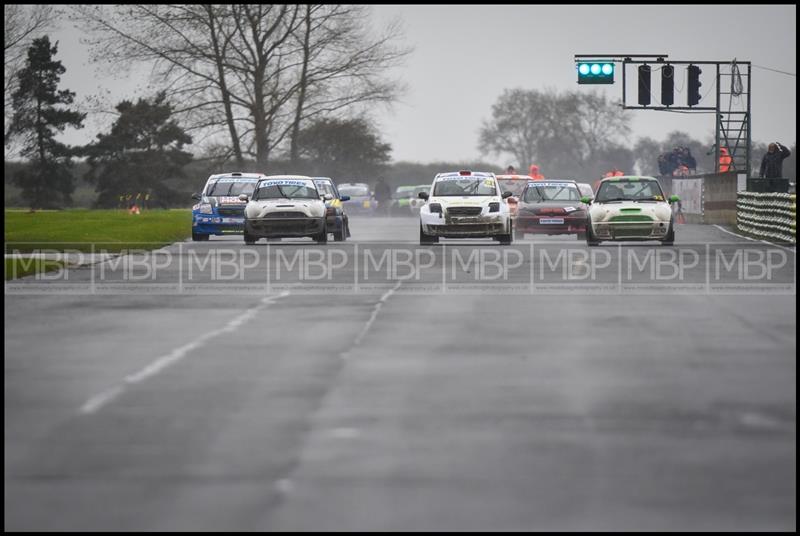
<point>337,220</point>
<point>219,210</point>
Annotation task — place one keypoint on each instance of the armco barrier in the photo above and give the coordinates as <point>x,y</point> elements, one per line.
<point>772,216</point>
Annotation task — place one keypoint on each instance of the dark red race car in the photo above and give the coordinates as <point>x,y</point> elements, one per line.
<point>551,207</point>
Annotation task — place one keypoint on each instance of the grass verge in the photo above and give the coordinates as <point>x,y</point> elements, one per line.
<point>94,230</point>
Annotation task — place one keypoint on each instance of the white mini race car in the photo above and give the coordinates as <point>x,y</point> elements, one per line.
<point>285,206</point>
<point>465,204</point>
<point>630,208</point>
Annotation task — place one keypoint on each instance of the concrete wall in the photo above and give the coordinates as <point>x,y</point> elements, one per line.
<point>719,198</point>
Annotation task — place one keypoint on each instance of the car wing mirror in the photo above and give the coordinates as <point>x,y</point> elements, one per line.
<point>243,197</point>
<point>423,195</point>
<point>344,198</point>
<point>674,199</point>
<point>197,196</point>
<point>507,194</point>
<point>586,200</point>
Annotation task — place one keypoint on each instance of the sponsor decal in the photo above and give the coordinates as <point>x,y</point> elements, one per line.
<point>287,182</point>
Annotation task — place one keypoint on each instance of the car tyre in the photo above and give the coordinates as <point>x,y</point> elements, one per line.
<point>669,240</point>
<point>507,239</point>
<point>591,241</point>
<point>322,236</point>
<point>426,239</point>
<point>199,237</point>
<point>340,235</point>
<point>249,239</point>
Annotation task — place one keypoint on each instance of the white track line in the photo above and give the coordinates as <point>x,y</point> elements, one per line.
<point>375,311</point>
<point>755,239</point>
<point>98,401</point>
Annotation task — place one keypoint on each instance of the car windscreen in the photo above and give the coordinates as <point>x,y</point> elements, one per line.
<point>515,186</point>
<point>230,187</point>
<point>460,186</point>
<point>586,189</point>
<point>403,192</point>
<point>354,191</point>
<point>291,189</point>
<point>538,192</point>
<point>325,187</point>
<point>629,190</point>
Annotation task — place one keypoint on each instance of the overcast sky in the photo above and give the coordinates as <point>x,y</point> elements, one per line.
<point>464,56</point>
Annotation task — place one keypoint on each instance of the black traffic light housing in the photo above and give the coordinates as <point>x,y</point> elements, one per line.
<point>694,85</point>
<point>644,85</point>
<point>667,85</point>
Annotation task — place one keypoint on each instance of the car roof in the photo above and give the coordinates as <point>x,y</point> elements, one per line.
<point>290,177</point>
<point>477,174</point>
<point>628,178</point>
<point>323,179</point>
<point>354,184</point>
<point>237,175</point>
<point>513,177</point>
<point>546,181</point>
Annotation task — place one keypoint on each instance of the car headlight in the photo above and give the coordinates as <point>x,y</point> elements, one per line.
<point>578,214</point>
<point>205,208</point>
<point>494,206</point>
<point>435,208</point>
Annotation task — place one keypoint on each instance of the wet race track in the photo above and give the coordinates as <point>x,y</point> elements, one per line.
<point>379,385</point>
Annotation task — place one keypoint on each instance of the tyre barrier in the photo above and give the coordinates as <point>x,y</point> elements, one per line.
<point>768,215</point>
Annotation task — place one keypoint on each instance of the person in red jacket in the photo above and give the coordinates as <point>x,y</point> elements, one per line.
<point>724,160</point>
<point>534,173</point>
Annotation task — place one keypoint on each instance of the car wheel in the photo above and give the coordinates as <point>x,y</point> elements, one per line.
<point>590,239</point>
<point>199,237</point>
<point>426,239</point>
<point>340,235</point>
<point>249,239</point>
<point>506,239</point>
<point>669,240</point>
<point>322,237</point>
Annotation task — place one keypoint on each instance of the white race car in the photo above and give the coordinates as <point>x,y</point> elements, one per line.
<point>465,204</point>
<point>630,208</point>
<point>285,206</point>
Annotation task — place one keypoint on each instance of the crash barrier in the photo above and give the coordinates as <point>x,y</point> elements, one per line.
<point>709,198</point>
<point>769,215</point>
<point>768,185</point>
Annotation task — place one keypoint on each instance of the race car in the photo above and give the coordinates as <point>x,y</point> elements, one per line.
<point>630,208</point>
<point>465,204</point>
<point>285,206</point>
<point>360,201</point>
<point>219,210</point>
<point>337,222</point>
<point>415,203</point>
<point>551,207</point>
<point>514,184</point>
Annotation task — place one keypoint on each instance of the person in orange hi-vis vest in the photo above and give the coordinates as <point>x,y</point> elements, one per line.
<point>534,173</point>
<point>725,160</point>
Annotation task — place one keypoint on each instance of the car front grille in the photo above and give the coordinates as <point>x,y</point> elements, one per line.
<point>236,212</point>
<point>285,214</point>
<point>631,217</point>
<point>464,211</point>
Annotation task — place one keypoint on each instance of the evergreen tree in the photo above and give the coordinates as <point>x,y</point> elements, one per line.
<point>142,154</point>
<point>38,116</point>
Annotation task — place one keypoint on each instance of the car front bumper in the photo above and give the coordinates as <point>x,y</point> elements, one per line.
<point>655,230</point>
<point>549,225</point>
<point>284,227</point>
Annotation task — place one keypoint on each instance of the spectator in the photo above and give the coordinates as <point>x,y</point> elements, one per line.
<point>772,163</point>
<point>534,173</point>
<point>511,170</point>
<point>725,160</point>
<point>664,165</point>
<point>686,158</point>
<point>382,195</point>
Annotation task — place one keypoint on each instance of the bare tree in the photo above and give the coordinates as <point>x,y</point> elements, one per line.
<point>343,64</point>
<point>253,71</point>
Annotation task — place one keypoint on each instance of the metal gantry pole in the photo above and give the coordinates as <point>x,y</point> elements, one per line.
<point>749,125</point>
<point>718,117</point>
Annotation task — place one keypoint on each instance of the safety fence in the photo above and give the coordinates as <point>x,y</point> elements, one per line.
<point>772,215</point>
